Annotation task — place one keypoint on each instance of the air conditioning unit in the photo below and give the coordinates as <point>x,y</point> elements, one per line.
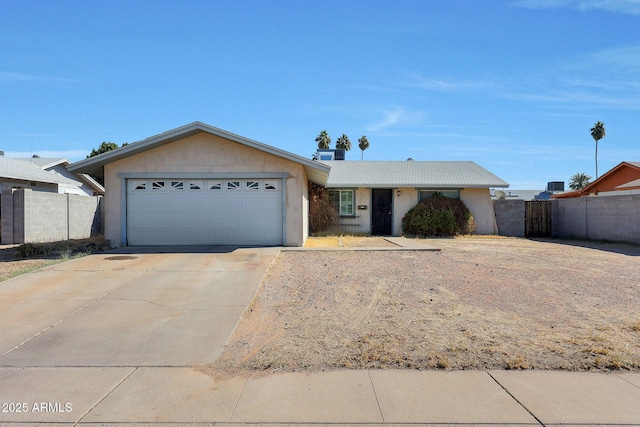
<point>555,186</point>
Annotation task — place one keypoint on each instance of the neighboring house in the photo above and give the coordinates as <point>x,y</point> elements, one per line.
<point>17,173</point>
<point>87,185</point>
<point>623,177</point>
<point>373,196</point>
<point>200,185</point>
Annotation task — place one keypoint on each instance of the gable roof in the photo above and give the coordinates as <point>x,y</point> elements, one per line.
<point>316,172</point>
<point>608,174</point>
<point>48,163</point>
<point>392,174</point>
<point>23,171</point>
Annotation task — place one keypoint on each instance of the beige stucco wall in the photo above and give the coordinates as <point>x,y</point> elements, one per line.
<point>478,200</point>
<point>361,224</point>
<point>206,153</point>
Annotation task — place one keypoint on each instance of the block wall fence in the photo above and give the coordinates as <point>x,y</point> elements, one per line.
<point>35,216</point>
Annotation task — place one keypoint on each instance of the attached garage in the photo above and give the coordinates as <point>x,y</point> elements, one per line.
<point>200,185</point>
<point>178,211</point>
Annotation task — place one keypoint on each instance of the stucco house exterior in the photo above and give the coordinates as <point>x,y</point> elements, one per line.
<point>373,196</point>
<point>200,185</point>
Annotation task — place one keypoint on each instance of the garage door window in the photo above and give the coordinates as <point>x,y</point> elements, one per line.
<point>157,185</point>
<point>271,185</point>
<point>141,186</point>
<point>177,185</point>
<point>233,185</point>
<point>195,185</point>
<point>253,186</point>
<point>215,185</point>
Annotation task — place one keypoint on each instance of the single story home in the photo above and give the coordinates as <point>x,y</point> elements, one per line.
<point>200,185</point>
<point>18,173</point>
<point>85,185</point>
<point>373,196</point>
<point>623,177</point>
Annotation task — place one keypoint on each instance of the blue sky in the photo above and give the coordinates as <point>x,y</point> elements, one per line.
<point>513,85</point>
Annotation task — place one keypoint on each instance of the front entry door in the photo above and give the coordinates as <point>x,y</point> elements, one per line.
<point>381,202</point>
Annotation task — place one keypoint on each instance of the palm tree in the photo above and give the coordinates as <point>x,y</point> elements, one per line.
<point>579,181</point>
<point>597,132</point>
<point>363,143</point>
<point>343,142</point>
<point>323,140</point>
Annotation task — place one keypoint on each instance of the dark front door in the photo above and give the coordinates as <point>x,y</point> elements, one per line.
<point>381,201</point>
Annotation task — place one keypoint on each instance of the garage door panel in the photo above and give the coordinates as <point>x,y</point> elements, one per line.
<point>193,212</point>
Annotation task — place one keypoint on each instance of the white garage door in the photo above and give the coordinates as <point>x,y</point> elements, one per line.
<point>204,211</point>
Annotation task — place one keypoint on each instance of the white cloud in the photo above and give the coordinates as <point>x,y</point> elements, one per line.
<point>20,77</point>
<point>627,7</point>
<point>441,84</point>
<point>394,116</point>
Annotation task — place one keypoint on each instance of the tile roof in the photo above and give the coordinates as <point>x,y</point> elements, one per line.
<point>430,174</point>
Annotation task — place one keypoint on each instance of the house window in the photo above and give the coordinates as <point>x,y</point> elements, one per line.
<point>427,194</point>
<point>344,200</point>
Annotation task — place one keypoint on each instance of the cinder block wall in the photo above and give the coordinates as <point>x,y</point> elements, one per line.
<point>615,218</point>
<point>36,216</point>
<point>509,217</point>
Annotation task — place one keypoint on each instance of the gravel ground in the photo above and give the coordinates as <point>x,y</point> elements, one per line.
<point>480,303</point>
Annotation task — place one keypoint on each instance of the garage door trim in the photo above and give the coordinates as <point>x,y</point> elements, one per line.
<point>182,175</point>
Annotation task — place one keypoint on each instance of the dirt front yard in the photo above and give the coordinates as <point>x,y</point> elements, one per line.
<point>502,303</point>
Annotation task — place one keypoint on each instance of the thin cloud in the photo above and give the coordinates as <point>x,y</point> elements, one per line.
<point>395,116</point>
<point>441,84</point>
<point>30,78</point>
<point>626,7</point>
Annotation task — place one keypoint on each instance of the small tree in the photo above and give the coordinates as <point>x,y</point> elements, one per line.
<point>579,181</point>
<point>323,140</point>
<point>597,133</point>
<point>363,143</point>
<point>343,142</point>
<point>103,148</point>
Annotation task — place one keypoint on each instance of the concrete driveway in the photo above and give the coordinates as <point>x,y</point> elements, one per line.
<point>128,309</point>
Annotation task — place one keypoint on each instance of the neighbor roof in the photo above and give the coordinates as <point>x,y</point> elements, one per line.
<point>316,172</point>
<point>47,163</point>
<point>23,171</point>
<point>393,174</point>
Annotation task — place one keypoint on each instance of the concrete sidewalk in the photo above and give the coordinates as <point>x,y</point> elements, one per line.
<point>376,397</point>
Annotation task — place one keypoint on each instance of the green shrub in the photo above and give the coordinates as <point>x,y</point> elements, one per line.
<point>438,216</point>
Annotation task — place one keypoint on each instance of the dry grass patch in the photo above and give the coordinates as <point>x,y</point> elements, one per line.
<point>478,304</point>
<point>348,241</point>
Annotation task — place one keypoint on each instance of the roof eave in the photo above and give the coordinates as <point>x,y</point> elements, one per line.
<point>317,172</point>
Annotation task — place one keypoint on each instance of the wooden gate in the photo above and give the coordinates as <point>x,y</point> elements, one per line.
<point>537,220</point>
